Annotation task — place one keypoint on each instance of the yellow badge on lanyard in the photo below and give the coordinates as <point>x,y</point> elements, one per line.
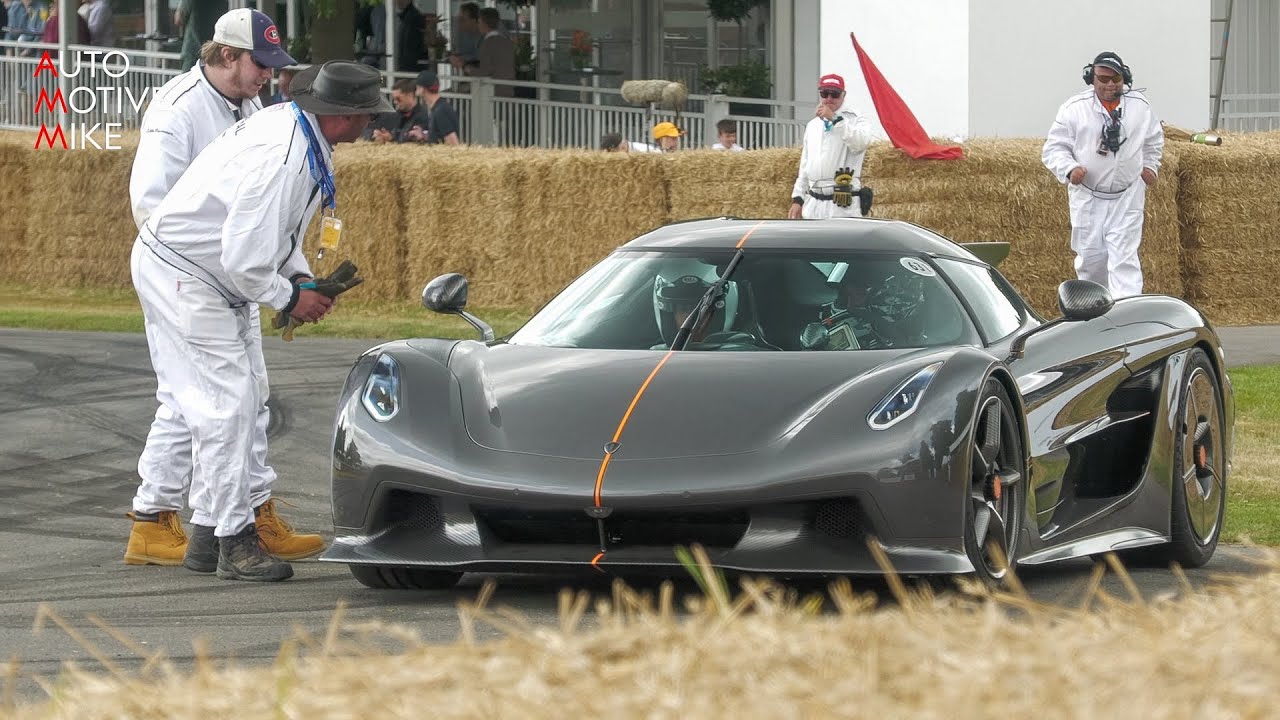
<point>330,234</point>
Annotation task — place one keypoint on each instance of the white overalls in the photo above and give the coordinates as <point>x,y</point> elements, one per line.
<point>825,151</point>
<point>226,237</point>
<point>1107,207</point>
<point>186,115</point>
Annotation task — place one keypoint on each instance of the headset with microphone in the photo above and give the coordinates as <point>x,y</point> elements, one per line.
<point>1125,73</point>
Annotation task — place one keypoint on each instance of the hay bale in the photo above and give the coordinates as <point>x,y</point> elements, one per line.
<point>460,207</point>
<point>577,207</point>
<point>755,184</point>
<point>15,155</point>
<point>1001,191</point>
<point>80,232</point>
<point>1227,199</point>
<point>371,204</point>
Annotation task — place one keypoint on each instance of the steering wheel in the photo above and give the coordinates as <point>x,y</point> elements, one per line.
<point>735,340</point>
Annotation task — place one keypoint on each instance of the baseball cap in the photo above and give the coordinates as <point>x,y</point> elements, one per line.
<point>253,31</point>
<point>428,80</point>
<point>1110,60</point>
<point>666,129</point>
<point>831,81</point>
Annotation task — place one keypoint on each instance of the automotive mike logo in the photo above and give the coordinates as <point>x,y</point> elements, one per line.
<point>87,101</point>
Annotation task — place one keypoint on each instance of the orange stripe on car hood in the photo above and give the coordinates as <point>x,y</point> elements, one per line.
<point>622,425</point>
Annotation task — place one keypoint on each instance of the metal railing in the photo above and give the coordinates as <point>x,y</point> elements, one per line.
<point>114,90</point>
<point>1250,112</point>
<point>560,116</point>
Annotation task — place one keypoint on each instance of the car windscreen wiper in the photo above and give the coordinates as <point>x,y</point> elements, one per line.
<point>708,300</point>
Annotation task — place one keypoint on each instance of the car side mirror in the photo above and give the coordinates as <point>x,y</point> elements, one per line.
<point>447,294</point>
<point>1083,300</point>
<point>1078,300</point>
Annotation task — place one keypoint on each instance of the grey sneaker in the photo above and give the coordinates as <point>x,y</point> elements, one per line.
<point>202,550</point>
<point>241,557</point>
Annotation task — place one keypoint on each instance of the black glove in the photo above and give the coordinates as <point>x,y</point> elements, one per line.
<point>332,285</point>
<point>864,200</point>
<point>340,280</point>
<point>842,195</point>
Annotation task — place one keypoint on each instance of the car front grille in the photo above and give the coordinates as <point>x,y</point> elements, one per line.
<point>711,529</point>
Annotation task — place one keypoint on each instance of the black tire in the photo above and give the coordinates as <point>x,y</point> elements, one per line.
<point>1199,493</point>
<point>384,577</point>
<point>995,499</point>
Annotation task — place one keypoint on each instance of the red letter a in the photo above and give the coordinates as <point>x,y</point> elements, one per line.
<point>45,62</point>
<point>48,102</point>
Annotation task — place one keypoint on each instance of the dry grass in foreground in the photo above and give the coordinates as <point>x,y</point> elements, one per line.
<point>765,653</point>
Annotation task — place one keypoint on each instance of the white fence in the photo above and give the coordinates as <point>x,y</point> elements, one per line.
<point>114,89</point>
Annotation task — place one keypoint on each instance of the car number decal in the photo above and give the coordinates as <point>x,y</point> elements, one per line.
<point>917,266</point>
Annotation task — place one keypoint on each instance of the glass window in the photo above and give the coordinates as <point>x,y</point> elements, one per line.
<point>773,300</point>
<point>994,311</point>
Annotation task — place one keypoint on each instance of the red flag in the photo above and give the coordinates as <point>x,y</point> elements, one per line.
<point>901,125</point>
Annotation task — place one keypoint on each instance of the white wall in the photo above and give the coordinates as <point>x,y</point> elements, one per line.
<point>1026,58</point>
<point>920,46</point>
<point>1002,67</point>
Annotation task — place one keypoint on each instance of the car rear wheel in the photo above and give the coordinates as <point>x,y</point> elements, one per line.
<point>995,497</point>
<point>1199,467</point>
<point>385,577</point>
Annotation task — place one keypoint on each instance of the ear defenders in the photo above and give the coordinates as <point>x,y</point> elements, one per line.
<point>1125,73</point>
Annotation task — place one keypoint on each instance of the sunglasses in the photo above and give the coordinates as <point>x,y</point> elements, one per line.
<point>830,93</point>
<point>1108,79</point>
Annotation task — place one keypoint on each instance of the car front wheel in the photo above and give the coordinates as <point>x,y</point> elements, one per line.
<point>1199,467</point>
<point>994,500</point>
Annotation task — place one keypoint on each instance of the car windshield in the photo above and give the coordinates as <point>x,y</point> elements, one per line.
<point>773,301</point>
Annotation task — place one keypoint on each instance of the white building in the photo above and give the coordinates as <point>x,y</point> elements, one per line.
<point>966,68</point>
<point>1002,67</point>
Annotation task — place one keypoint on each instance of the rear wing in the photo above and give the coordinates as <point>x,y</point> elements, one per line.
<point>990,253</point>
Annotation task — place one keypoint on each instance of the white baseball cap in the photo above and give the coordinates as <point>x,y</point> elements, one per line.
<point>251,30</point>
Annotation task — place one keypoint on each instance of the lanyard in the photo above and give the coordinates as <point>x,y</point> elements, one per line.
<point>315,160</point>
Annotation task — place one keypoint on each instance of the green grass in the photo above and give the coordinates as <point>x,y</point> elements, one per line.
<point>118,311</point>
<point>1253,497</point>
<point>1253,501</point>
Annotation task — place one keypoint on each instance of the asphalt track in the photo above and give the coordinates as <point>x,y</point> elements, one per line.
<point>74,412</point>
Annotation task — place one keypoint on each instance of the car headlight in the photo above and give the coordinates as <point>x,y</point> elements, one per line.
<point>904,399</point>
<point>382,390</point>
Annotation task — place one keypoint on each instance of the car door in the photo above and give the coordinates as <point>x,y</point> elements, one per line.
<point>1065,373</point>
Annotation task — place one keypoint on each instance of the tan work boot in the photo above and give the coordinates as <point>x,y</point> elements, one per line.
<point>155,539</point>
<point>278,537</point>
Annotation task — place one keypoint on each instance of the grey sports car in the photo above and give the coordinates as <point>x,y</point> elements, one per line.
<point>790,395</point>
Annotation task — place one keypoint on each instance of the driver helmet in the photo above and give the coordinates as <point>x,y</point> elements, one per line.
<point>676,297</point>
<point>858,279</point>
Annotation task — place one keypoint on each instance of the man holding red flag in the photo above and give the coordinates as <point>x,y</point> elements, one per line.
<point>835,143</point>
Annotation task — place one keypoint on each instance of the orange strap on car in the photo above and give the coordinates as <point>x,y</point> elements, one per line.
<point>626,416</point>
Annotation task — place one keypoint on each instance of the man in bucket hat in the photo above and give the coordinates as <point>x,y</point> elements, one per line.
<point>835,143</point>
<point>228,236</point>
<point>186,115</point>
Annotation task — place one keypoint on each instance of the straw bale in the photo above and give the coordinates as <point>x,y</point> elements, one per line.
<point>576,208</point>
<point>460,207</point>
<point>79,230</point>
<point>1228,199</point>
<point>766,652</point>
<point>371,204</point>
<point>707,183</point>
<point>15,193</point>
